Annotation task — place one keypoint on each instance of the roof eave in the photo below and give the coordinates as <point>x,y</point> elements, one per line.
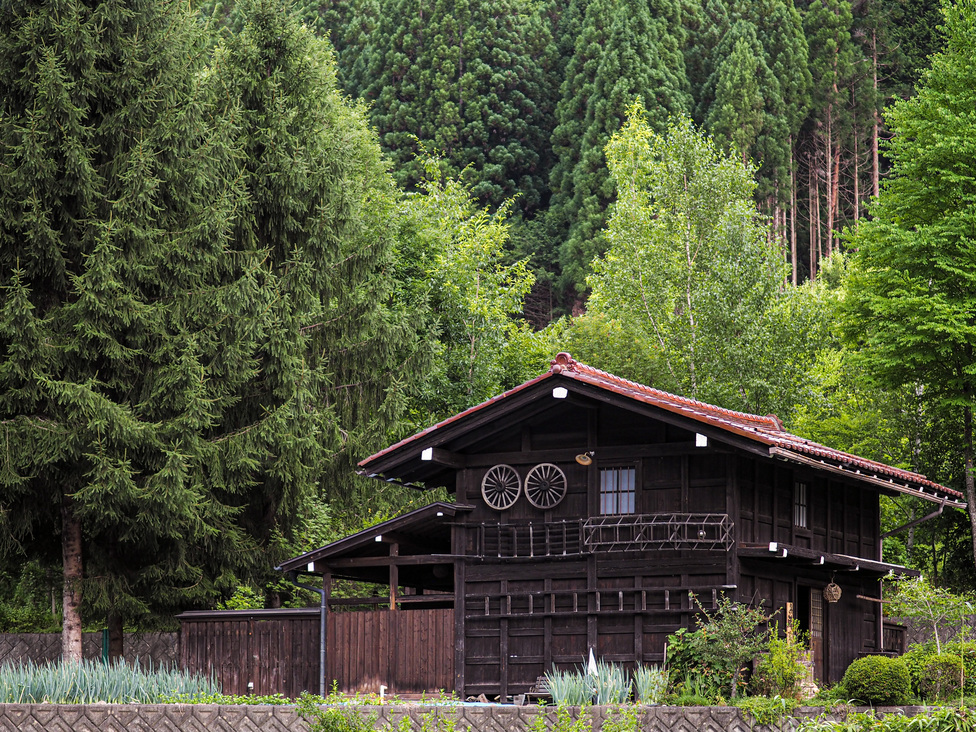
<point>915,490</point>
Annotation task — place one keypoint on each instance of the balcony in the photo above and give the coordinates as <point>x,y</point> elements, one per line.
<point>604,534</point>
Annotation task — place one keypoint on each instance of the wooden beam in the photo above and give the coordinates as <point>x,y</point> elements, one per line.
<point>408,560</point>
<point>566,455</point>
<point>404,542</point>
<point>440,456</point>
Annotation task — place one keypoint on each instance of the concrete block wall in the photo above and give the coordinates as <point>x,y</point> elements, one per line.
<point>213,718</point>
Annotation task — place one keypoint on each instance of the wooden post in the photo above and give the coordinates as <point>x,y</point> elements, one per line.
<point>789,623</point>
<point>324,630</point>
<point>394,575</point>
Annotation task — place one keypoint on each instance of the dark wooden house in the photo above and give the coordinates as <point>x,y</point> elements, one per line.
<point>588,507</point>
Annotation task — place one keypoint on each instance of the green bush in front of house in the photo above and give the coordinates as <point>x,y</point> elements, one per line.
<point>920,656</point>
<point>942,677</point>
<point>878,680</point>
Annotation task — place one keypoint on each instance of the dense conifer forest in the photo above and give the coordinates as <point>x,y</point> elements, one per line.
<point>528,93</point>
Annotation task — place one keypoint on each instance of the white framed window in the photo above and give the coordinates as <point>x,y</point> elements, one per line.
<point>618,490</point>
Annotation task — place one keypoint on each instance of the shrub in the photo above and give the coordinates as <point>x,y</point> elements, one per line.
<point>780,671</point>
<point>728,638</point>
<point>878,680</point>
<point>333,719</point>
<point>915,660</point>
<point>966,650</point>
<point>942,677</point>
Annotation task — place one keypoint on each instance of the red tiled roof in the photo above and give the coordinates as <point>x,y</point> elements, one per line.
<point>766,430</point>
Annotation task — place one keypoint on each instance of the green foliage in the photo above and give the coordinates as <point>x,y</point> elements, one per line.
<point>90,682</point>
<point>131,317</point>
<point>919,657</point>
<point>604,342</point>
<point>621,719</point>
<point>780,671</point>
<point>609,685</point>
<point>476,294</point>
<point>915,659</point>
<point>439,720</point>
<point>624,50</point>
<point>650,684</point>
<point>695,690</point>
<point>878,680</point>
<point>467,80</point>
<point>245,597</point>
<point>569,688</point>
<point>217,698</point>
<point>939,720</point>
<point>321,717</point>
<point>728,637</point>
<point>942,677</point>
<point>907,307</point>
<point>766,710</point>
<point>691,271</point>
<point>566,721</point>
<point>936,607</point>
<point>25,600</point>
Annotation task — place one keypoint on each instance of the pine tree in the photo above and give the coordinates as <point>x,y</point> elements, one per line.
<point>323,206</point>
<point>131,320</point>
<point>738,114</point>
<point>705,30</point>
<point>640,58</point>
<point>467,80</point>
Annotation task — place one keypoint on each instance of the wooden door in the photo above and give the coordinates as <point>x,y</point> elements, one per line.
<point>810,618</point>
<point>817,632</point>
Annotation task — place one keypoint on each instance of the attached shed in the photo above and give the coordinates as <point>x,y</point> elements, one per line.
<point>589,507</point>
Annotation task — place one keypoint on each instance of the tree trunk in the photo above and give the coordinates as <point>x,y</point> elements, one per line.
<point>813,223</point>
<point>857,172</point>
<point>834,242</point>
<point>793,198</point>
<point>875,162</point>
<point>73,574</point>
<point>116,637</point>
<point>967,420</point>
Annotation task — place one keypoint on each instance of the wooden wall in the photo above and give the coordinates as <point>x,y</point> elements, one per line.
<point>409,651</point>
<point>276,653</point>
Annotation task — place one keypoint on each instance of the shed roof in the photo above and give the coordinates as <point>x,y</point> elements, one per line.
<point>427,531</point>
<point>763,432</point>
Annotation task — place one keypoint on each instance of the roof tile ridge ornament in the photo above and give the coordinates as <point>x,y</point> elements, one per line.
<point>562,362</point>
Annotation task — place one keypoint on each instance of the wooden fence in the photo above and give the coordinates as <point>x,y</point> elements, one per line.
<point>272,651</point>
